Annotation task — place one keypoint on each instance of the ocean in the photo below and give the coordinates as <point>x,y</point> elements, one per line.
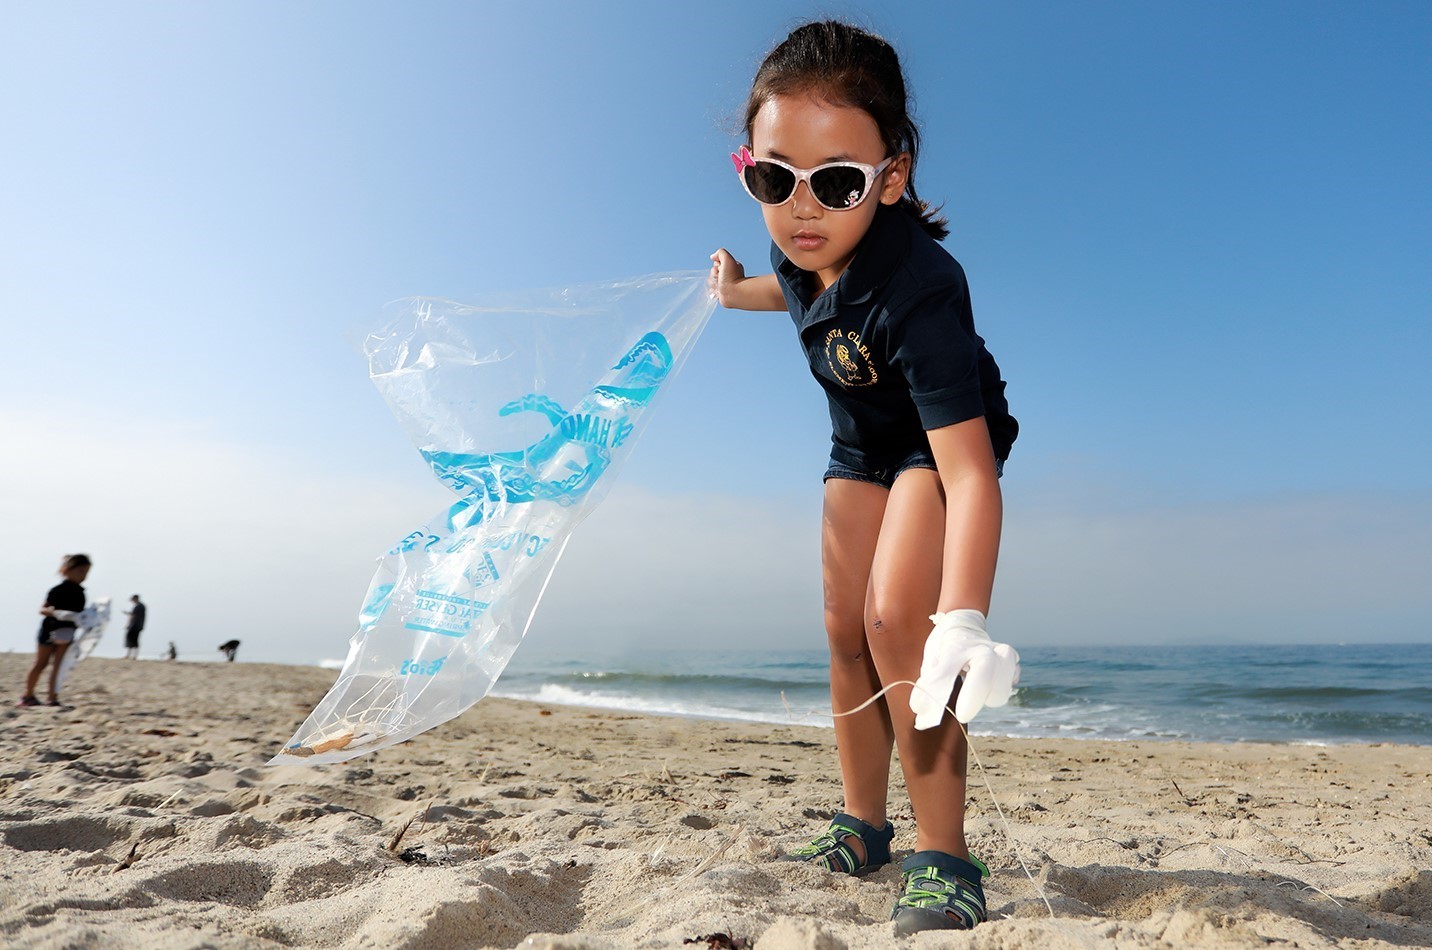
<point>1313,694</point>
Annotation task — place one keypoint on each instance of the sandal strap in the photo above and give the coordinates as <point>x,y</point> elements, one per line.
<point>840,858</point>
<point>945,884</point>
<point>831,851</point>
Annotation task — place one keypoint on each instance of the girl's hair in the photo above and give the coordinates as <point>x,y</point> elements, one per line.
<point>73,561</point>
<point>847,66</point>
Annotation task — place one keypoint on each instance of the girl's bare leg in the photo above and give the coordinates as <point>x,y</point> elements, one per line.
<point>849,531</point>
<point>42,656</point>
<point>904,591</point>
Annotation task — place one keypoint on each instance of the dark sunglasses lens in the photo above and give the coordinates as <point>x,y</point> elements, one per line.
<point>768,183</point>
<point>838,187</point>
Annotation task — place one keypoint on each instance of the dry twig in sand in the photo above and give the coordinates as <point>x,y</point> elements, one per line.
<point>398,838</point>
<point>129,860</point>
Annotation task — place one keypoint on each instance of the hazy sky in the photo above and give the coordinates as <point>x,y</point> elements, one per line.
<point>1197,238</point>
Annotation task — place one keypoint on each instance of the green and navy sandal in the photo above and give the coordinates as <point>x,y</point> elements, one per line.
<point>942,892</point>
<point>832,852</point>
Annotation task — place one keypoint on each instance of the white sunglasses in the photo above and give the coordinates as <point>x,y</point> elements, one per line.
<point>837,186</point>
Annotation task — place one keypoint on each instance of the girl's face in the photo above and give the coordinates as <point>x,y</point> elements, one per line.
<point>806,131</point>
<point>75,574</point>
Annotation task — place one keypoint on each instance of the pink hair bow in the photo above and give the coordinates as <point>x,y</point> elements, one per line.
<point>743,159</point>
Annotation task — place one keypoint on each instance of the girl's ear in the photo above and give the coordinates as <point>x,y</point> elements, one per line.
<point>896,177</point>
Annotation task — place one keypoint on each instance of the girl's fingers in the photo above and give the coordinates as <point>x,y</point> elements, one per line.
<point>979,681</point>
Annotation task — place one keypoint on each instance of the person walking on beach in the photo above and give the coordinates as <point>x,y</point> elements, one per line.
<point>230,649</point>
<point>921,431</point>
<point>136,616</point>
<point>62,605</point>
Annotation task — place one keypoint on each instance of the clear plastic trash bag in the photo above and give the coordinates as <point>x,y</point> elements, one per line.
<point>524,406</point>
<point>89,627</point>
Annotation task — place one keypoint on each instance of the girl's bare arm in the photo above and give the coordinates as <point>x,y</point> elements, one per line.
<point>735,291</point>
<point>974,512</point>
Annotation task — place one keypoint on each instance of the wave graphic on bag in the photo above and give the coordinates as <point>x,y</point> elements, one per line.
<point>525,407</point>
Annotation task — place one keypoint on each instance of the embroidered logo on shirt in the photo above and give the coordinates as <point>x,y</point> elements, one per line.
<point>849,359</point>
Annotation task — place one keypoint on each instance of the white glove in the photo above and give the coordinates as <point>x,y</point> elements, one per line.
<point>957,645</point>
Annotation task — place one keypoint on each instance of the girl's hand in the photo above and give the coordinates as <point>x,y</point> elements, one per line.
<point>731,287</point>
<point>47,610</point>
<point>726,277</point>
<point>960,646</point>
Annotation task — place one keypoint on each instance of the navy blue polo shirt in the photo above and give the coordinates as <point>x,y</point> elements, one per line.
<point>893,344</point>
<point>66,595</point>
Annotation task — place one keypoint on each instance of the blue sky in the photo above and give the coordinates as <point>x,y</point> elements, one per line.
<point>1197,238</point>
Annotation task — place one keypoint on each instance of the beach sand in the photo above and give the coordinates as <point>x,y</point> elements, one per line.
<point>145,817</point>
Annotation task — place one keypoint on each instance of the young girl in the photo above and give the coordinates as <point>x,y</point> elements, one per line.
<point>62,605</point>
<point>921,430</point>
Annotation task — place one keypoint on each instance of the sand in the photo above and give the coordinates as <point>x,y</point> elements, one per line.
<point>144,817</point>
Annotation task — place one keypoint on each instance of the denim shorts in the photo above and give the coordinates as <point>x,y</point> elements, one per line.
<point>49,638</point>
<point>885,477</point>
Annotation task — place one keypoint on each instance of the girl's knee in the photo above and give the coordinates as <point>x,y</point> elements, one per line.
<point>883,621</point>
<point>896,633</point>
<point>850,656</point>
<point>846,640</point>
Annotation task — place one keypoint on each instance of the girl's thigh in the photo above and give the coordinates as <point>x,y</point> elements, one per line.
<point>43,652</point>
<point>906,567</point>
<point>850,529</point>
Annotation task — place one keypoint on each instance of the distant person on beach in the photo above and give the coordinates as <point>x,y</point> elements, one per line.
<point>171,654</point>
<point>62,605</point>
<point>921,430</point>
<point>136,616</point>
<point>230,649</point>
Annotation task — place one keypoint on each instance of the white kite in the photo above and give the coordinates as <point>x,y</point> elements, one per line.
<point>89,627</point>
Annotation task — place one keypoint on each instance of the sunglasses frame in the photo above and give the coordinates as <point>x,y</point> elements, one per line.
<point>744,159</point>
